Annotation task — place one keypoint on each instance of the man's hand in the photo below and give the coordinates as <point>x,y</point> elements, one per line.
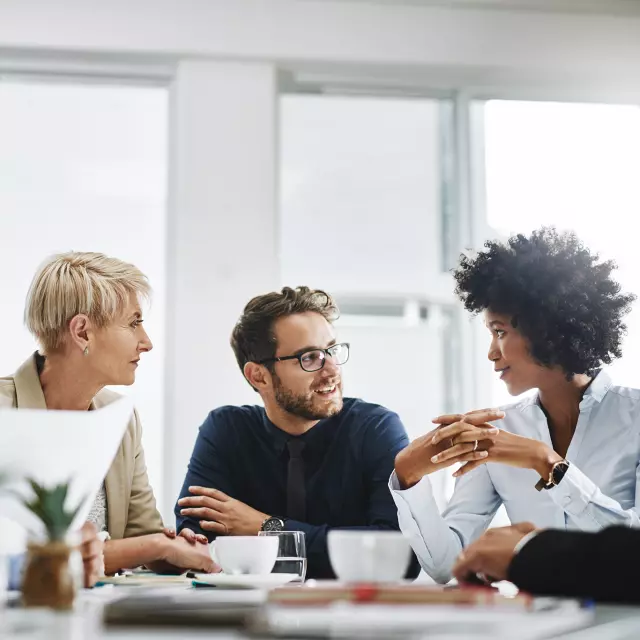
<point>490,556</point>
<point>187,534</point>
<point>503,447</point>
<point>220,513</point>
<point>420,458</point>
<point>91,550</point>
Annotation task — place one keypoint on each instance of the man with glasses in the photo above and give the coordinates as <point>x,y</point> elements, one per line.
<point>309,460</point>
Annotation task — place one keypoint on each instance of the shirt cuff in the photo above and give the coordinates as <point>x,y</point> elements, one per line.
<point>523,541</point>
<point>575,491</point>
<point>418,499</point>
<point>417,491</point>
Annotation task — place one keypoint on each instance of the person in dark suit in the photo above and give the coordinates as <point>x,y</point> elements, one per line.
<point>309,460</point>
<point>600,566</point>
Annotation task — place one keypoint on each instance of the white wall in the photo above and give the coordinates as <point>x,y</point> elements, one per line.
<point>222,239</point>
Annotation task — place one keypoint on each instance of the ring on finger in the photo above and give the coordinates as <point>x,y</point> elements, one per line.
<point>475,445</point>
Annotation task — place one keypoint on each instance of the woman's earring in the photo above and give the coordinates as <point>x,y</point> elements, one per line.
<point>86,350</point>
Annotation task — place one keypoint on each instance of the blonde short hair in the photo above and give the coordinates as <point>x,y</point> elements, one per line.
<point>73,283</point>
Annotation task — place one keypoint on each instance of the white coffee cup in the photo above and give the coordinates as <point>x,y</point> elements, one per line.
<point>245,554</point>
<point>369,556</point>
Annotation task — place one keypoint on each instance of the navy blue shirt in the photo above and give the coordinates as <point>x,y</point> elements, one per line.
<point>348,460</point>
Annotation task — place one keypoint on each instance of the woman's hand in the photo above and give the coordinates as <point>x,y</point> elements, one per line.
<point>503,447</point>
<point>91,550</point>
<point>183,554</point>
<point>421,457</point>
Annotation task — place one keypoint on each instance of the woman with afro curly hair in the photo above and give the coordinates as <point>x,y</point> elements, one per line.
<point>567,457</point>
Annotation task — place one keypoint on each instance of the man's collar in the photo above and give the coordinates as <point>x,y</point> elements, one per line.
<point>277,436</point>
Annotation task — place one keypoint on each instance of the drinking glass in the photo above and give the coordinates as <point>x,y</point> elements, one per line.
<point>292,553</point>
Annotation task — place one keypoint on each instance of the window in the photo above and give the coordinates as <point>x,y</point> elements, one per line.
<point>361,190</point>
<point>83,167</point>
<point>573,166</point>
<point>367,214</point>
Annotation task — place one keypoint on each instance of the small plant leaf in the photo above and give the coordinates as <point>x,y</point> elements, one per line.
<point>49,506</point>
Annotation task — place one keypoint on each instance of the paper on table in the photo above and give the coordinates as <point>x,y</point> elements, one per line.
<point>433,621</point>
<point>59,446</point>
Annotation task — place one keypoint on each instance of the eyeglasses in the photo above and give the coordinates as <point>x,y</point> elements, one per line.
<point>314,360</point>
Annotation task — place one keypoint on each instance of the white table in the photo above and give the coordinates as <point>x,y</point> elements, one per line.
<point>611,623</point>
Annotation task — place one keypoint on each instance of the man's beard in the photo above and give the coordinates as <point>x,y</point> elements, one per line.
<point>302,405</point>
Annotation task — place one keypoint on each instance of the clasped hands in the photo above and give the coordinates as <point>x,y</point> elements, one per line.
<point>470,439</point>
<point>464,438</point>
<point>188,550</point>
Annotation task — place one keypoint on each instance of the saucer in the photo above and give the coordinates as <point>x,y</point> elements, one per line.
<point>244,581</point>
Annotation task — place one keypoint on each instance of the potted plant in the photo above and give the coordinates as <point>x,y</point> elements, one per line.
<point>48,579</point>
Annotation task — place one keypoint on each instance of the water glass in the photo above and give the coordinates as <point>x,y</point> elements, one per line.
<point>292,553</point>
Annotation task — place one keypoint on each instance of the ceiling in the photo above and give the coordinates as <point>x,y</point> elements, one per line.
<point>604,7</point>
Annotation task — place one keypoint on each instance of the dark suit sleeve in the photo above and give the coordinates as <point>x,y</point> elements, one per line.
<point>208,467</point>
<point>380,446</point>
<point>601,566</point>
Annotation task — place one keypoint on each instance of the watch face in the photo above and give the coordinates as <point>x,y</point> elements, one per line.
<point>273,524</point>
<point>558,472</point>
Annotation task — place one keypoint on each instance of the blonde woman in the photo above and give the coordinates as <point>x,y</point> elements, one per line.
<point>84,310</point>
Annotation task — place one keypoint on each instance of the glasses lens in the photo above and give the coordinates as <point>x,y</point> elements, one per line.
<point>312,360</point>
<point>340,353</point>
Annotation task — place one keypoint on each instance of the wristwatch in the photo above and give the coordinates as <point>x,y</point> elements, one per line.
<point>555,477</point>
<point>272,523</point>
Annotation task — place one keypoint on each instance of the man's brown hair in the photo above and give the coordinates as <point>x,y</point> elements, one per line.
<point>253,338</point>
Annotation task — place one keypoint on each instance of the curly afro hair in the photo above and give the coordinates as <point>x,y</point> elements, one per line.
<point>559,295</point>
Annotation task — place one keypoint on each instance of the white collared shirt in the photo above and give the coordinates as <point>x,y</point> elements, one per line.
<point>600,488</point>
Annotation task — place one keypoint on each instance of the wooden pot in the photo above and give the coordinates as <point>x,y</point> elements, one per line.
<point>48,580</point>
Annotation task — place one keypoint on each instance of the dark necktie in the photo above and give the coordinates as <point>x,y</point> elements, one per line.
<point>296,492</point>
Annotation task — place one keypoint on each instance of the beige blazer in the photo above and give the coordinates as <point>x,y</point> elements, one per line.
<point>131,505</point>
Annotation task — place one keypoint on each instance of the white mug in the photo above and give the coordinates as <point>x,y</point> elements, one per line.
<point>369,556</point>
<point>245,554</point>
